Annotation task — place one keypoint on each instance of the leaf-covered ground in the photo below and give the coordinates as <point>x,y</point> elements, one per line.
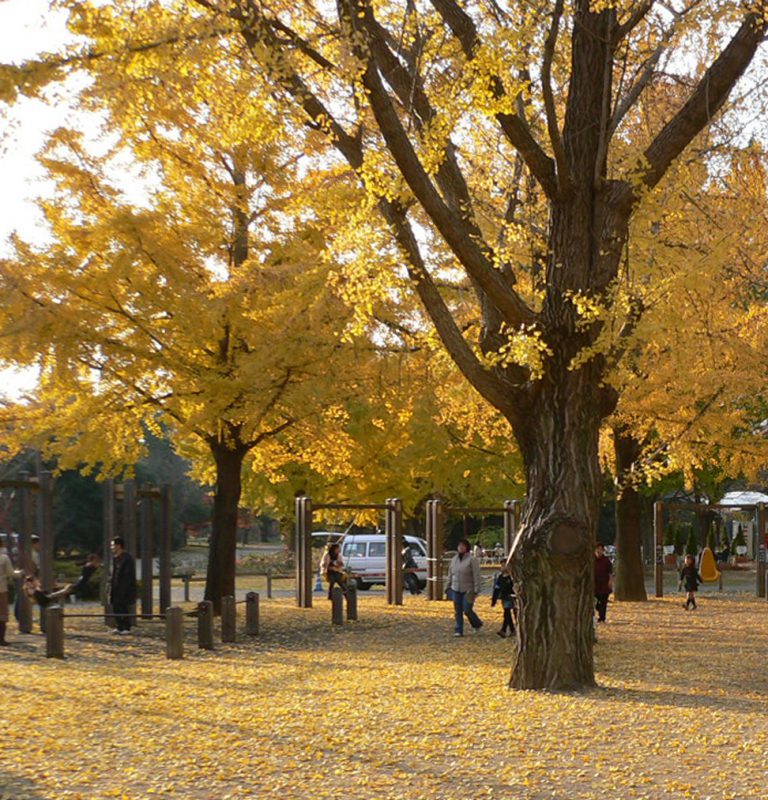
<point>392,707</point>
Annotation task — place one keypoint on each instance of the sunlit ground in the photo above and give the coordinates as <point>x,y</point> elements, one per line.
<point>392,707</point>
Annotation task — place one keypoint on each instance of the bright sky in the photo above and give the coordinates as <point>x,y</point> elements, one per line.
<point>27,27</point>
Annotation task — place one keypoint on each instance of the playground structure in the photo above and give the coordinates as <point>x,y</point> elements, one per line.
<point>135,528</point>
<point>34,491</point>
<point>138,529</point>
<point>759,549</point>
<point>437,513</point>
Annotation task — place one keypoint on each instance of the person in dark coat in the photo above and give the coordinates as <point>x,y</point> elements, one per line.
<point>690,578</point>
<point>122,585</point>
<point>603,581</point>
<point>504,590</point>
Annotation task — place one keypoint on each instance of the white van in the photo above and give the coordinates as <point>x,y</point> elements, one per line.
<point>365,556</point>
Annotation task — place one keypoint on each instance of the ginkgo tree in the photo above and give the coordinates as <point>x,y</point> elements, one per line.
<point>200,306</point>
<point>692,382</point>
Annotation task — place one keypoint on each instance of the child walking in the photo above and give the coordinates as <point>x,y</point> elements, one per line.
<point>504,590</point>
<point>689,576</point>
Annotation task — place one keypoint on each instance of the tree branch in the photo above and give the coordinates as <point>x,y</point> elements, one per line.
<point>514,128</point>
<point>549,100</point>
<point>707,98</point>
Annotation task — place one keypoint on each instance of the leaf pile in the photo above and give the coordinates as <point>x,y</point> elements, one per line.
<point>390,707</point>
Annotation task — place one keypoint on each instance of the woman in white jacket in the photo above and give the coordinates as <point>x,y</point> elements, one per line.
<point>464,584</point>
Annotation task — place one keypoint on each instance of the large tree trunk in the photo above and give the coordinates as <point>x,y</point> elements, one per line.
<point>553,561</point>
<point>630,580</point>
<point>220,578</point>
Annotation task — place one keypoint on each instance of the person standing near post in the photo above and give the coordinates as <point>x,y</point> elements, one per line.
<point>6,575</point>
<point>465,584</point>
<point>122,585</point>
<point>603,581</point>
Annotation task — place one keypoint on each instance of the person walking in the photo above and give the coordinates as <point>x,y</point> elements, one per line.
<point>504,590</point>
<point>6,575</point>
<point>603,581</point>
<point>332,568</point>
<point>690,578</point>
<point>122,585</point>
<point>464,584</point>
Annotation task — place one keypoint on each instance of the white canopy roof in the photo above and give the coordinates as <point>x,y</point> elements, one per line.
<point>743,499</point>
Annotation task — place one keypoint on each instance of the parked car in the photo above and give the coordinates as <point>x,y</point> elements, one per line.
<point>365,556</point>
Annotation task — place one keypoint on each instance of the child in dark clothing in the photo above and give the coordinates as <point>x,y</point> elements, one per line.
<point>504,590</point>
<point>691,579</point>
<point>92,563</point>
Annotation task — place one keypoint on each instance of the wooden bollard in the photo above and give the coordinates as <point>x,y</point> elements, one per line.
<point>252,614</point>
<point>352,600</point>
<point>54,631</point>
<point>269,584</point>
<point>25,610</point>
<point>205,625</point>
<point>228,619</point>
<point>337,605</point>
<point>174,632</point>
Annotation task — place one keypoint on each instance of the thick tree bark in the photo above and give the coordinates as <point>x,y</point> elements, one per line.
<point>630,580</point>
<point>220,578</point>
<point>553,562</point>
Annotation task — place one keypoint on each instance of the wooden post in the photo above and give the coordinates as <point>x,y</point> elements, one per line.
<point>146,539</point>
<point>435,530</point>
<point>760,553</point>
<point>174,633</point>
<point>511,524</point>
<point>187,577</point>
<point>54,631</point>
<point>393,527</point>
<point>205,625</point>
<point>228,619</point>
<point>166,535</point>
<point>351,600</point>
<point>25,553</point>
<point>304,552</point>
<point>269,583</point>
<point>337,605</point>
<point>46,531</point>
<point>129,517</point>
<point>108,533</point>
<point>658,538</point>
<point>252,614</point>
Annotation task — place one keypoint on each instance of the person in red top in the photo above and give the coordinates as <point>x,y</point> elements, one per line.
<point>603,581</point>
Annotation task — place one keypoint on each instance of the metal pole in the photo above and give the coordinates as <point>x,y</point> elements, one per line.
<point>658,536</point>
<point>166,535</point>
<point>145,533</point>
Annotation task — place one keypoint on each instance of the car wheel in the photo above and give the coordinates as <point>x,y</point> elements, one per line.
<point>362,585</point>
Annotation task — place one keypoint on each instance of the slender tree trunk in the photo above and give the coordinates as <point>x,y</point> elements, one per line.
<point>630,579</point>
<point>220,579</point>
<point>553,561</point>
